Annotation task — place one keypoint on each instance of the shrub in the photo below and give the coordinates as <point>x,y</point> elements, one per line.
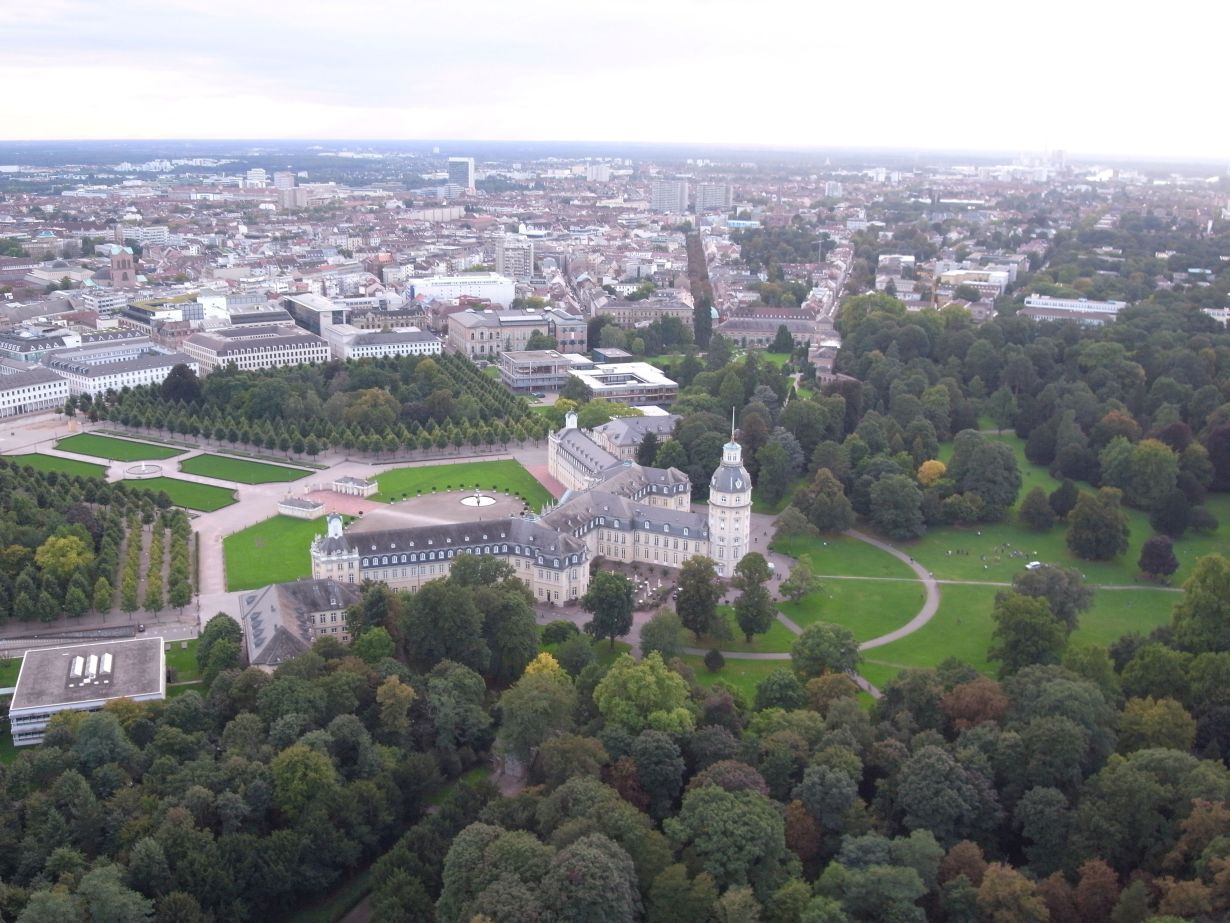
<point>714,661</point>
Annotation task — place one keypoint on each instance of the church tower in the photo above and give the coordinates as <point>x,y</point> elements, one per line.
<point>730,509</point>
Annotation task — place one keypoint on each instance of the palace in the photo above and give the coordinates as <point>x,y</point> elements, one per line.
<point>612,508</point>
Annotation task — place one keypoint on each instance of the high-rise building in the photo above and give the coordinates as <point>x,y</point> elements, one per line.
<point>284,179</point>
<point>670,196</point>
<point>514,257</point>
<point>256,178</point>
<point>832,189</point>
<point>714,197</point>
<point>598,172</point>
<point>461,172</point>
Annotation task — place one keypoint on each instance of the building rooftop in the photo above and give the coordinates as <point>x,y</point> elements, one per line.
<point>50,677</point>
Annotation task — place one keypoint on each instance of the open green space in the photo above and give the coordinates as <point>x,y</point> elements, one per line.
<point>869,608</point>
<point>40,462</point>
<point>178,690</point>
<point>777,638</point>
<point>116,449</point>
<point>9,668</point>
<point>8,749</point>
<point>840,554</point>
<point>775,359</point>
<point>961,628</point>
<point>1116,612</point>
<point>503,475</point>
<point>182,660</point>
<point>203,497</point>
<point>997,551</point>
<point>273,551</point>
<point>239,469</point>
<point>744,675</point>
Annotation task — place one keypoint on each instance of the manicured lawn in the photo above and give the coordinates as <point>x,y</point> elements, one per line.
<point>1116,612</point>
<point>239,469</point>
<point>502,475</point>
<point>41,462</point>
<point>777,638</point>
<point>869,608</point>
<point>997,551</point>
<point>183,660</point>
<point>116,449</point>
<point>774,359</point>
<point>9,668</point>
<point>273,551</point>
<point>193,496</point>
<point>961,628</point>
<point>840,554</point>
<point>744,675</point>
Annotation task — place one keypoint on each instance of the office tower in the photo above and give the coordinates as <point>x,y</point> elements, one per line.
<point>713,197</point>
<point>257,178</point>
<point>284,179</point>
<point>669,196</point>
<point>832,189</point>
<point>461,172</point>
<point>514,257</point>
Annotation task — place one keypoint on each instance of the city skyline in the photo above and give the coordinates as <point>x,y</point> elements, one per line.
<point>717,74</point>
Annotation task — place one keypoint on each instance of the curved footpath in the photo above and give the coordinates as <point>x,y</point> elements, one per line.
<point>929,607</point>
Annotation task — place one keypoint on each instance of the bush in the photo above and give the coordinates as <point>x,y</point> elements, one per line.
<point>1202,521</point>
<point>714,661</point>
<point>558,632</point>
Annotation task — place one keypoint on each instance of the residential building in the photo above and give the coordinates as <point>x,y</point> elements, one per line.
<point>669,196</point>
<point>31,391</point>
<point>461,172</point>
<point>514,257</point>
<point>285,179</point>
<point>255,347</point>
<point>283,620</point>
<point>632,383</point>
<point>714,197</point>
<point>84,677</point>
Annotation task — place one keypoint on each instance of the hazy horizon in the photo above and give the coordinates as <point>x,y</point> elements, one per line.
<point>776,76</point>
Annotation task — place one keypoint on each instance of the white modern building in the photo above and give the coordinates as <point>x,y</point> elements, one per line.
<point>84,677</point>
<point>497,289</point>
<point>461,172</point>
<point>255,347</point>
<point>349,342</point>
<point>31,391</point>
<point>1075,304</point>
<point>632,383</point>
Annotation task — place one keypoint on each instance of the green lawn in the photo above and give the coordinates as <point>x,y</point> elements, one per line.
<point>1116,612</point>
<point>273,551</point>
<point>8,749</point>
<point>997,551</point>
<point>41,462</point>
<point>173,691</point>
<point>124,450</point>
<point>961,628</point>
<point>774,359</point>
<point>869,608</point>
<point>239,469</point>
<point>203,497</point>
<point>744,675</point>
<point>840,554</point>
<point>777,638</point>
<point>9,668</point>
<point>502,475</point>
<point>183,660</point>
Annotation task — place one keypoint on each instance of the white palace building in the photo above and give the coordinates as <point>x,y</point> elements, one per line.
<point>612,508</point>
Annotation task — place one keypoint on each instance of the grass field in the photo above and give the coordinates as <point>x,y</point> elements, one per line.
<point>273,551</point>
<point>774,359</point>
<point>116,449</point>
<point>241,470</point>
<point>869,608</point>
<point>502,475</point>
<point>997,551</point>
<point>839,554</point>
<point>173,691</point>
<point>9,668</point>
<point>41,462</point>
<point>777,638</point>
<point>203,497</point>
<point>744,675</point>
<point>183,660</point>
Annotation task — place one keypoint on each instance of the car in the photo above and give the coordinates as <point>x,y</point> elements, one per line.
<point>541,395</point>
<point>140,626</point>
<point>1033,565</point>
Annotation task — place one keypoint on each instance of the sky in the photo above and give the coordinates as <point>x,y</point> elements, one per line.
<point>1084,77</point>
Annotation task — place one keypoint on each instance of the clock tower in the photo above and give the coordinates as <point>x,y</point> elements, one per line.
<point>730,509</point>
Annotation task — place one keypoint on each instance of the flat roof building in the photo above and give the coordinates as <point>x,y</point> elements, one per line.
<point>84,677</point>
<point>628,383</point>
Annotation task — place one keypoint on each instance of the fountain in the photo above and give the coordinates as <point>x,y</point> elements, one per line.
<point>479,499</point>
<point>143,470</point>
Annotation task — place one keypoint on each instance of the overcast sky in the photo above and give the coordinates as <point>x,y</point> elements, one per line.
<point>1122,79</point>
